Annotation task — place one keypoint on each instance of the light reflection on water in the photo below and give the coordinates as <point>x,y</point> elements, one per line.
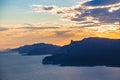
<point>17,67</point>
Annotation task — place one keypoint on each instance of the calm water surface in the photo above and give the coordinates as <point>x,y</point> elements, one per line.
<point>17,67</point>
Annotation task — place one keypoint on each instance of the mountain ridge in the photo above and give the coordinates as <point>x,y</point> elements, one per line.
<point>37,49</point>
<point>91,51</point>
<point>94,40</point>
<point>87,52</point>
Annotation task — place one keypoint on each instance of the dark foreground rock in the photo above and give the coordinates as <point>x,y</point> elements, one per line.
<point>88,52</point>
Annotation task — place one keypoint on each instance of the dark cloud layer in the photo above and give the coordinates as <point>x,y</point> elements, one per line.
<point>38,28</point>
<point>101,2</point>
<point>100,13</point>
<point>64,34</point>
<point>3,29</point>
<point>48,8</point>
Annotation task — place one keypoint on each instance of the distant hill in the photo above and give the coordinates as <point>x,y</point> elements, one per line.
<point>91,51</point>
<point>37,49</point>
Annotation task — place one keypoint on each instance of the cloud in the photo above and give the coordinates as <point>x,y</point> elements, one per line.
<point>92,11</point>
<point>41,8</point>
<point>27,26</point>
<point>38,28</point>
<point>104,13</point>
<point>3,29</point>
<point>63,34</point>
<point>101,2</point>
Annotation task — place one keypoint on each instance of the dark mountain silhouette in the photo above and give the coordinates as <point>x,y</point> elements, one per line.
<point>91,51</point>
<point>37,49</point>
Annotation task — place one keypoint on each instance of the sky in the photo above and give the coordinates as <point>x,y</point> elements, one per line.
<point>24,22</point>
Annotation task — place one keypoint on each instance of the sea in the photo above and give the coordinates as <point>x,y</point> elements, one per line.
<point>13,66</point>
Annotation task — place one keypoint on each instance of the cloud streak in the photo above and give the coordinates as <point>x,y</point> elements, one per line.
<point>38,28</point>
<point>3,29</point>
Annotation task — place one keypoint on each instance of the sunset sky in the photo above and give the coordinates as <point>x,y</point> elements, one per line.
<point>24,22</point>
